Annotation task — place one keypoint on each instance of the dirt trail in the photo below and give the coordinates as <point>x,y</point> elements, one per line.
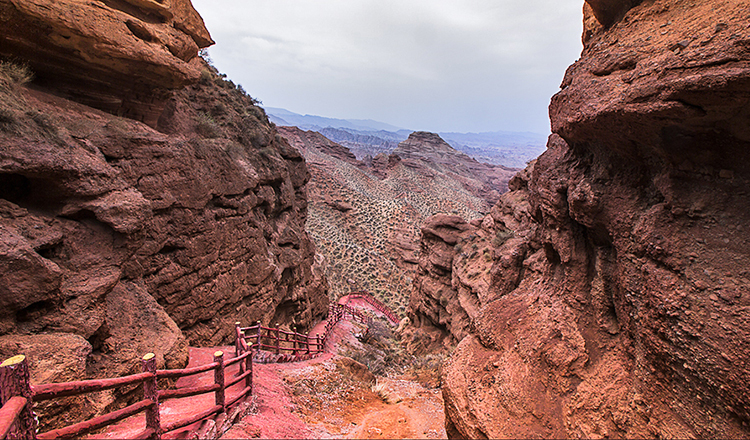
<point>326,397</point>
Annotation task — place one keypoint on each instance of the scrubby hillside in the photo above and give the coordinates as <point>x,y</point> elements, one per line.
<point>365,219</point>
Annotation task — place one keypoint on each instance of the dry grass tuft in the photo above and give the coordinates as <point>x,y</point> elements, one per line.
<point>388,394</point>
<point>15,74</point>
<point>12,104</point>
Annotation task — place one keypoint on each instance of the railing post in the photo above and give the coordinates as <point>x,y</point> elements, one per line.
<point>239,335</point>
<point>219,379</point>
<point>150,392</point>
<point>259,336</point>
<point>278,340</point>
<point>14,381</point>
<point>294,340</point>
<point>237,345</point>
<point>319,346</point>
<point>249,367</point>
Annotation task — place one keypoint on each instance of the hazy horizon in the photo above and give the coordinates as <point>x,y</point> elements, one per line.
<point>434,65</point>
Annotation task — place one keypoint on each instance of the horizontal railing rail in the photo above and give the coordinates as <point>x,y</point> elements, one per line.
<point>14,384</point>
<point>83,428</point>
<point>65,389</point>
<point>10,412</point>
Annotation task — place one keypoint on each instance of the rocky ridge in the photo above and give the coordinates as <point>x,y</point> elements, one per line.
<point>425,151</point>
<point>615,302</point>
<point>117,239</point>
<point>365,217</point>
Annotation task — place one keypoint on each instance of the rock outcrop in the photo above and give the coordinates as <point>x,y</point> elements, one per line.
<point>437,315</point>
<point>121,56</point>
<point>118,240</point>
<point>616,304</point>
<point>312,140</point>
<point>427,153</point>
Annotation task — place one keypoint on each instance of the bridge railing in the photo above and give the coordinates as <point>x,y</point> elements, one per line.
<point>18,395</point>
<point>298,346</point>
<point>377,304</point>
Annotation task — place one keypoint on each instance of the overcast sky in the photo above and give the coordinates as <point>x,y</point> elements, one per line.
<point>435,65</point>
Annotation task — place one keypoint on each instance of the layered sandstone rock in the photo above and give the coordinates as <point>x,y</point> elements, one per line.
<point>126,240</point>
<point>312,140</point>
<point>122,56</point>
<point>436,313</point>
<point>617,303</point>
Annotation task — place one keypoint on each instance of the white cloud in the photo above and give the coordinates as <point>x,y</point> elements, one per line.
<point>440,65</point>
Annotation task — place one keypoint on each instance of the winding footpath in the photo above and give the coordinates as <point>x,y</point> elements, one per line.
<point>270,411</point>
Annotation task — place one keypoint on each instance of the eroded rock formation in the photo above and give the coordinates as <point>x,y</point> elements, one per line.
<point>617,299</point>
<point>117,239</point>
<point>121,56</point>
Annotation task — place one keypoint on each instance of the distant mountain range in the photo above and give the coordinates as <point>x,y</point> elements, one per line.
<point>367,137</point>
<point>280,116</point>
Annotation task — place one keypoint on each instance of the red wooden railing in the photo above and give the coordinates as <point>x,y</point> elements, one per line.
<point>17,420</point>
<point>378,305</point>
<point>293,346</point>
<point>17,395</point>
<point>277,340</point>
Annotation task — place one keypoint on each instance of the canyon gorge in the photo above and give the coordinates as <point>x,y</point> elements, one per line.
<point>364,215</point>
<point>147,203</point>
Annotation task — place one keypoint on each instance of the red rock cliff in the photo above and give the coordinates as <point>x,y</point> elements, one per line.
<point>617,303</point>
<point>117,239</point>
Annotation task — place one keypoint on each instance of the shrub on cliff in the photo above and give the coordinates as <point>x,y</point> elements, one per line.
<point>12,105</point>
<point>15,74</point>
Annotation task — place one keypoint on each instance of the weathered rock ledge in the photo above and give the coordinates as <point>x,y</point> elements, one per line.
<point>121,56</point>
<point>117,239</point>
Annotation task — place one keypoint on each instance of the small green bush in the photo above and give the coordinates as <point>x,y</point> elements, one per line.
<point>206,126</point>
<point>501,236</point>
<point>205,77</point>
<point>7,116</point>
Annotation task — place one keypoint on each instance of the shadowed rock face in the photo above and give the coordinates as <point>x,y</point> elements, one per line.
<point>617,305</point>
<point>608,12</point>
<point>121,56</point>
